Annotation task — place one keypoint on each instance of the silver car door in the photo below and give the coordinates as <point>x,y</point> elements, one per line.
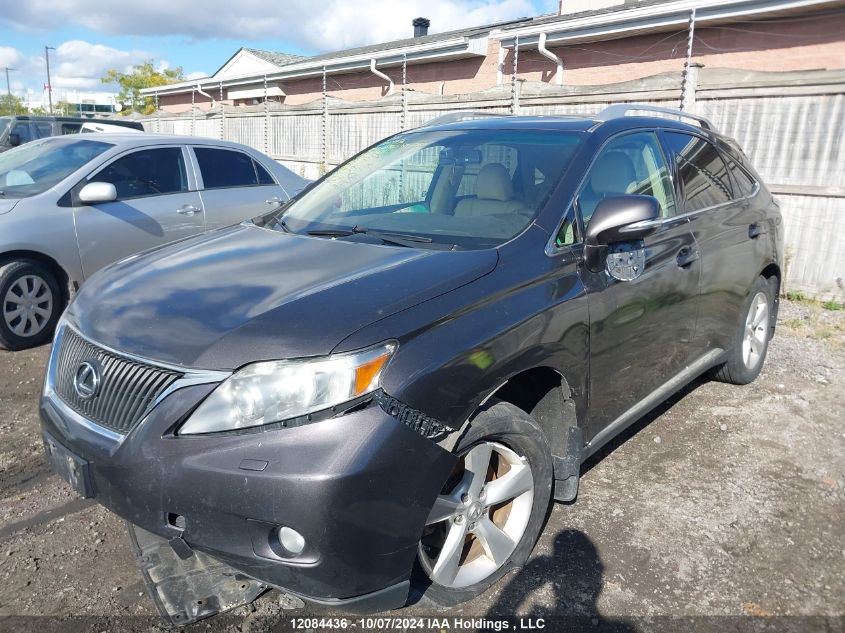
<point>156,204</point>
<point>234,186</point>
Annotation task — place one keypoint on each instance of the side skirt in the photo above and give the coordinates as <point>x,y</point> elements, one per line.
<point>690,372</point>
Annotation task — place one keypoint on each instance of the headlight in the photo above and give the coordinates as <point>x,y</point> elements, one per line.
<point>267,392</point>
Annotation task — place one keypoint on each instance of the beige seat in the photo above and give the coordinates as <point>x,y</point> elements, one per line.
<point>493,194</point>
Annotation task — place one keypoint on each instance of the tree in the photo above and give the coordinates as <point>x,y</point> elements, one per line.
<point>11,104</point>
<point>142,76</point>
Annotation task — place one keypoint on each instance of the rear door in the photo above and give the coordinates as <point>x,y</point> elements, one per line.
<point>641,330</point>
<point>156,203</point>
<point>726,226</point>
<point>234,186</point>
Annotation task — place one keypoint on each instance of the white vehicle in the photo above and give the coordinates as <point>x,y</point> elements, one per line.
<point>95,126</point>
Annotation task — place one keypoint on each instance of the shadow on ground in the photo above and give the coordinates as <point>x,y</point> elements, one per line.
<point>576,573</point>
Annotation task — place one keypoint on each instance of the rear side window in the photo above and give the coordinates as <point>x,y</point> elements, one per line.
<point>701,170</point>
<point>744,183</point>
<point>147,172</point>
<point>227,168</point>
<point>264,178</point>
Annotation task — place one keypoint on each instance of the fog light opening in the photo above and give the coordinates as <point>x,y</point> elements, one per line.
<point>291,540</point>
<point>176,520</point>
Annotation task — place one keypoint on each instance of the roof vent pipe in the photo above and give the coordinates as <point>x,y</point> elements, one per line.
<point>545,52</point>
<point>421,27</point>
<point>378,73</point>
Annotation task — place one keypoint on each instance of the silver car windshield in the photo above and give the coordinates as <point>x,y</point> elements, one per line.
<point>35,167</point>
<point>465,189</point>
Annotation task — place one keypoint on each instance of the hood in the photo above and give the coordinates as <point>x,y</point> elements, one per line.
<point>245,294</point>
<point>7,204</point>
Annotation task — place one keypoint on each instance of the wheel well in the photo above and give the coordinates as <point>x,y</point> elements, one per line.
<point>50,263</point>
<point>544,395</point>
<point>772,272</point>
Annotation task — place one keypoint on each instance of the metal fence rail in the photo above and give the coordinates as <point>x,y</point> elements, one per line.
<point>791,125</point>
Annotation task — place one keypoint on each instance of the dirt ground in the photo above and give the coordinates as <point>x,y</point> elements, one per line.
<point>727,501</point>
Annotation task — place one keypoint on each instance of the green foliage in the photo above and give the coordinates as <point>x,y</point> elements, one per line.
<point>833,305</point>
<point>10,104</point>
<point>796,295</point>
<point>142,76</point>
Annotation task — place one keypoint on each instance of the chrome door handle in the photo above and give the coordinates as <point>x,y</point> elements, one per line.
<point>188,209</point>
<point>275,200</point>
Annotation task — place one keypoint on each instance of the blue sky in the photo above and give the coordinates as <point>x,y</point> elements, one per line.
<point>200,35</point>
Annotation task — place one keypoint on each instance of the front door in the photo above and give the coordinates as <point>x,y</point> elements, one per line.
<point>154,206</point>
<point>641,330</point>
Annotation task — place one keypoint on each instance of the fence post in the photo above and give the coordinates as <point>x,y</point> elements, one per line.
<point>514,86</point>
<point>685,75</point>
<point>193,112</point>
<point>404,120</point>
<point>266,119</point>
<point>222,115</point>
<point>158,114</point>
<point>325,136</point>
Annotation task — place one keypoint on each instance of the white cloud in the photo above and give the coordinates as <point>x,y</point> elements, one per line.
<point>10,57</point>
<point>323,26</point>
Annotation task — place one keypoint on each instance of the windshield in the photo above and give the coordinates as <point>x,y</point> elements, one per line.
<point>35,167</point>
<point>464,188</point>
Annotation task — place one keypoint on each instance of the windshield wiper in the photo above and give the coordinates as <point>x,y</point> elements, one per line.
<point>400,239</point>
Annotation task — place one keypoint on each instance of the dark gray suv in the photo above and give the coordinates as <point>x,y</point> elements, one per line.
<point>370,396</point>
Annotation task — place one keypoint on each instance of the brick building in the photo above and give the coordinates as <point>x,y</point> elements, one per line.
<point>621,40</point>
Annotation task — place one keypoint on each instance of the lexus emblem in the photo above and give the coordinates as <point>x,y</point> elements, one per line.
<point>86,382</point>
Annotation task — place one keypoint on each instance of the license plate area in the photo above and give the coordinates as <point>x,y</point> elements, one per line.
<point>69,466</point>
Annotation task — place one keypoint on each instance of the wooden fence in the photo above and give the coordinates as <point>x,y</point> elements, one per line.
<point>791,125</point>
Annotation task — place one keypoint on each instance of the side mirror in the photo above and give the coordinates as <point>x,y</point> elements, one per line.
<point>96,192</point>
<point>619,219</point>
<point>14,139</point>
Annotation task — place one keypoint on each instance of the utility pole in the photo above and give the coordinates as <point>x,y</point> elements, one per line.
<point>47,50</point>
<point>9,91</point>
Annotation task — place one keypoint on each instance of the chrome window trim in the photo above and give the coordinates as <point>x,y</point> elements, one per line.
<point>190,378</point>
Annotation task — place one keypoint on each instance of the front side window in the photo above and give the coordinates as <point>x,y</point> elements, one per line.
<point>33,168</point>
<point>23,131</point>
<point>147,172</point>
<point>463,188</point>
<point>226,168</point>
<point>629,164</point>
<point>701,170</point>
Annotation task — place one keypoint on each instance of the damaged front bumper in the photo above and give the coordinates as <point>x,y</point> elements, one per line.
<point>205,511</point>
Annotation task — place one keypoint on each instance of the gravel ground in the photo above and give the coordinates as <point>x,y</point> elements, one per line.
<point>726,501</point>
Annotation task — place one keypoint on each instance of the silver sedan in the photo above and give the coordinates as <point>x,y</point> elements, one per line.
<point>73,204</point>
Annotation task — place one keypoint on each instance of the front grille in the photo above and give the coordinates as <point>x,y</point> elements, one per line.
<point>127,387</point>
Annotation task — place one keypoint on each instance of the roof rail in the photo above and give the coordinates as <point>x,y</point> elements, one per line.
<point>461,115</point>
<point>618,110</point>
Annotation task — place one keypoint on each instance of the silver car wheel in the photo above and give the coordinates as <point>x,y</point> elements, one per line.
<point>756,331</point>
<point>473,529</point>
<point>28,306</point>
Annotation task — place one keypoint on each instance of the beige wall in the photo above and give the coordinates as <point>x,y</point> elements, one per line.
<point>802,43</point>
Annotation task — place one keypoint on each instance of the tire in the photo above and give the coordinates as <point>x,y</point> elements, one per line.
<point>751,342</point>
<point>515,443</point>
<point>28,321</point>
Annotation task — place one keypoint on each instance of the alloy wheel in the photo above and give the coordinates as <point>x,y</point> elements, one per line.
<point>28,306</point>
<point>479,518</point>
<point>756,331</point>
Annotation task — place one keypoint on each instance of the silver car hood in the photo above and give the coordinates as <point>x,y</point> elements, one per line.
<point>7,205</point>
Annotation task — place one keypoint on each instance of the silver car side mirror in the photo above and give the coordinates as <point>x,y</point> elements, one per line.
<point>95,192</point>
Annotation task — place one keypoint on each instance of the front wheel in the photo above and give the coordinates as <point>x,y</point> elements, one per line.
<point>30,304</point>
<point>491,510</point>
<point>751,343</point>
